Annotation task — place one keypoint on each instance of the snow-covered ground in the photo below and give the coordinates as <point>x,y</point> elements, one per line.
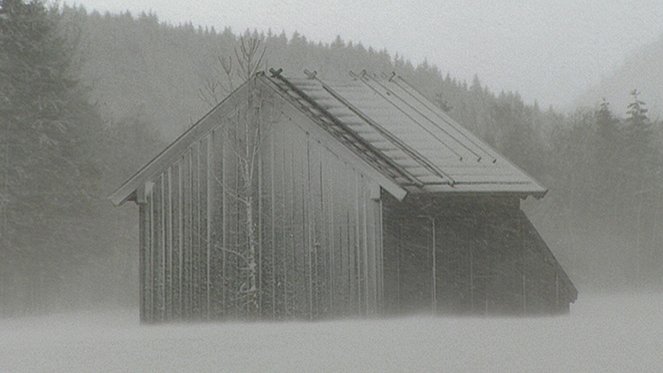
<point>603,333</point>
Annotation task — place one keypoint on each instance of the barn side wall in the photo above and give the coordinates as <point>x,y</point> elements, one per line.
<point>316,226</point>
<point>468,254</point>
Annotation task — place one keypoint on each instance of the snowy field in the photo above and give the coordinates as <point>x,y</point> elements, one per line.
<point>609,333</point>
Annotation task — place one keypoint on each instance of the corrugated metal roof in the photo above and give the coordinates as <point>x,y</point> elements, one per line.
<point>406,136</point>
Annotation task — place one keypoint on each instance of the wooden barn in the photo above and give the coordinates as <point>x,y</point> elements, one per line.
<point>300,198</point>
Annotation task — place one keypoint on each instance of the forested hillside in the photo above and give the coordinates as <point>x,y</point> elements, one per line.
<point>641,69</point>
<point>135,84</point>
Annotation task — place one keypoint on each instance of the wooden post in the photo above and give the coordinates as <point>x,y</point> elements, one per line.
<point>471,244</point>
<point>366,276</point>
<point>380,246</point>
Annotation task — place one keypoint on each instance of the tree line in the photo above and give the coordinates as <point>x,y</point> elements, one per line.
<point>57,155</point>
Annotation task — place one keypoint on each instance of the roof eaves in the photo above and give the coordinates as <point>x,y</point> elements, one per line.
<point>413,92</point>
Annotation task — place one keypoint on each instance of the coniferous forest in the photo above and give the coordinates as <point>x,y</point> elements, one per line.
<point>88,98</point>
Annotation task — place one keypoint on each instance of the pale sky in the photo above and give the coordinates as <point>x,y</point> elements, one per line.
<point>548,50</point>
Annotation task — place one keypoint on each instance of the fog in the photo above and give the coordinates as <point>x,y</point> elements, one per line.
<point>603,333</point>
<point>298,250</point>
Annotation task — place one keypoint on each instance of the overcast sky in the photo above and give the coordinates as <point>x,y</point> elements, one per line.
<point>548,50</point>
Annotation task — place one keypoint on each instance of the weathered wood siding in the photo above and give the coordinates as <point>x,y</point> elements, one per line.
<point>318,230</point>
<point>467,255</point>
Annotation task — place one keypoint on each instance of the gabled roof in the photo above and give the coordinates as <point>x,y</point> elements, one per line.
<point>397,131</point>
<point>417,144</point>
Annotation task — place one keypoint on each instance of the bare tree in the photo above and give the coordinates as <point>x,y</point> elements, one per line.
<point>227,71</point>
<point>247,132</point>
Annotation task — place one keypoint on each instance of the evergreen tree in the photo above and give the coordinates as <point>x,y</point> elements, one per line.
<point>640,159</point>
<point>48,131</point>
<point>607,124</point>
<point>637,112</point>
<point>605,179</point>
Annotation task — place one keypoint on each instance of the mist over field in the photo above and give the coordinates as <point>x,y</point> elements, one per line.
<point>603,333</point>
<point>88,97</point>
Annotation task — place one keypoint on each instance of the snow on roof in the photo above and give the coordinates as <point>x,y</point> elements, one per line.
<point>419,146</point>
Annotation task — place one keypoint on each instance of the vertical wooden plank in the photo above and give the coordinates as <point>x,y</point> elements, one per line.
<point>202,228</point>
<point>329,183</point>
<point>181,232</point>
<point>199,245</point>
<point>557,307</point>
<point>299,269</point>
<point>223,192</point>
<point>434,265</point>
<point>353,248</point>
<point>219,225</point>
<point>325,255</point>
<point>286,223</point>
<point>259,225</point>
<point>209,207</point>
<point>157,249</point>
<point>349,265</point>
<point>321,244</point>
<point>523,265</point>
<point>380,245</point>
<point>359,247</point>
<point>168,254</point>
<point>142,239</point>
<point>149,283</point>
<point>224,225</point>
<point>236,221</point>
<point>303,236</point>
<point>274,247</point>
<point>195,231</point>
<point>365,251</point>
<point>188,236</point>
<point>176,242</point>
<point>372,248</point>
<point>399,249</point>
<point>165,247</point>
<point>308,223</point>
